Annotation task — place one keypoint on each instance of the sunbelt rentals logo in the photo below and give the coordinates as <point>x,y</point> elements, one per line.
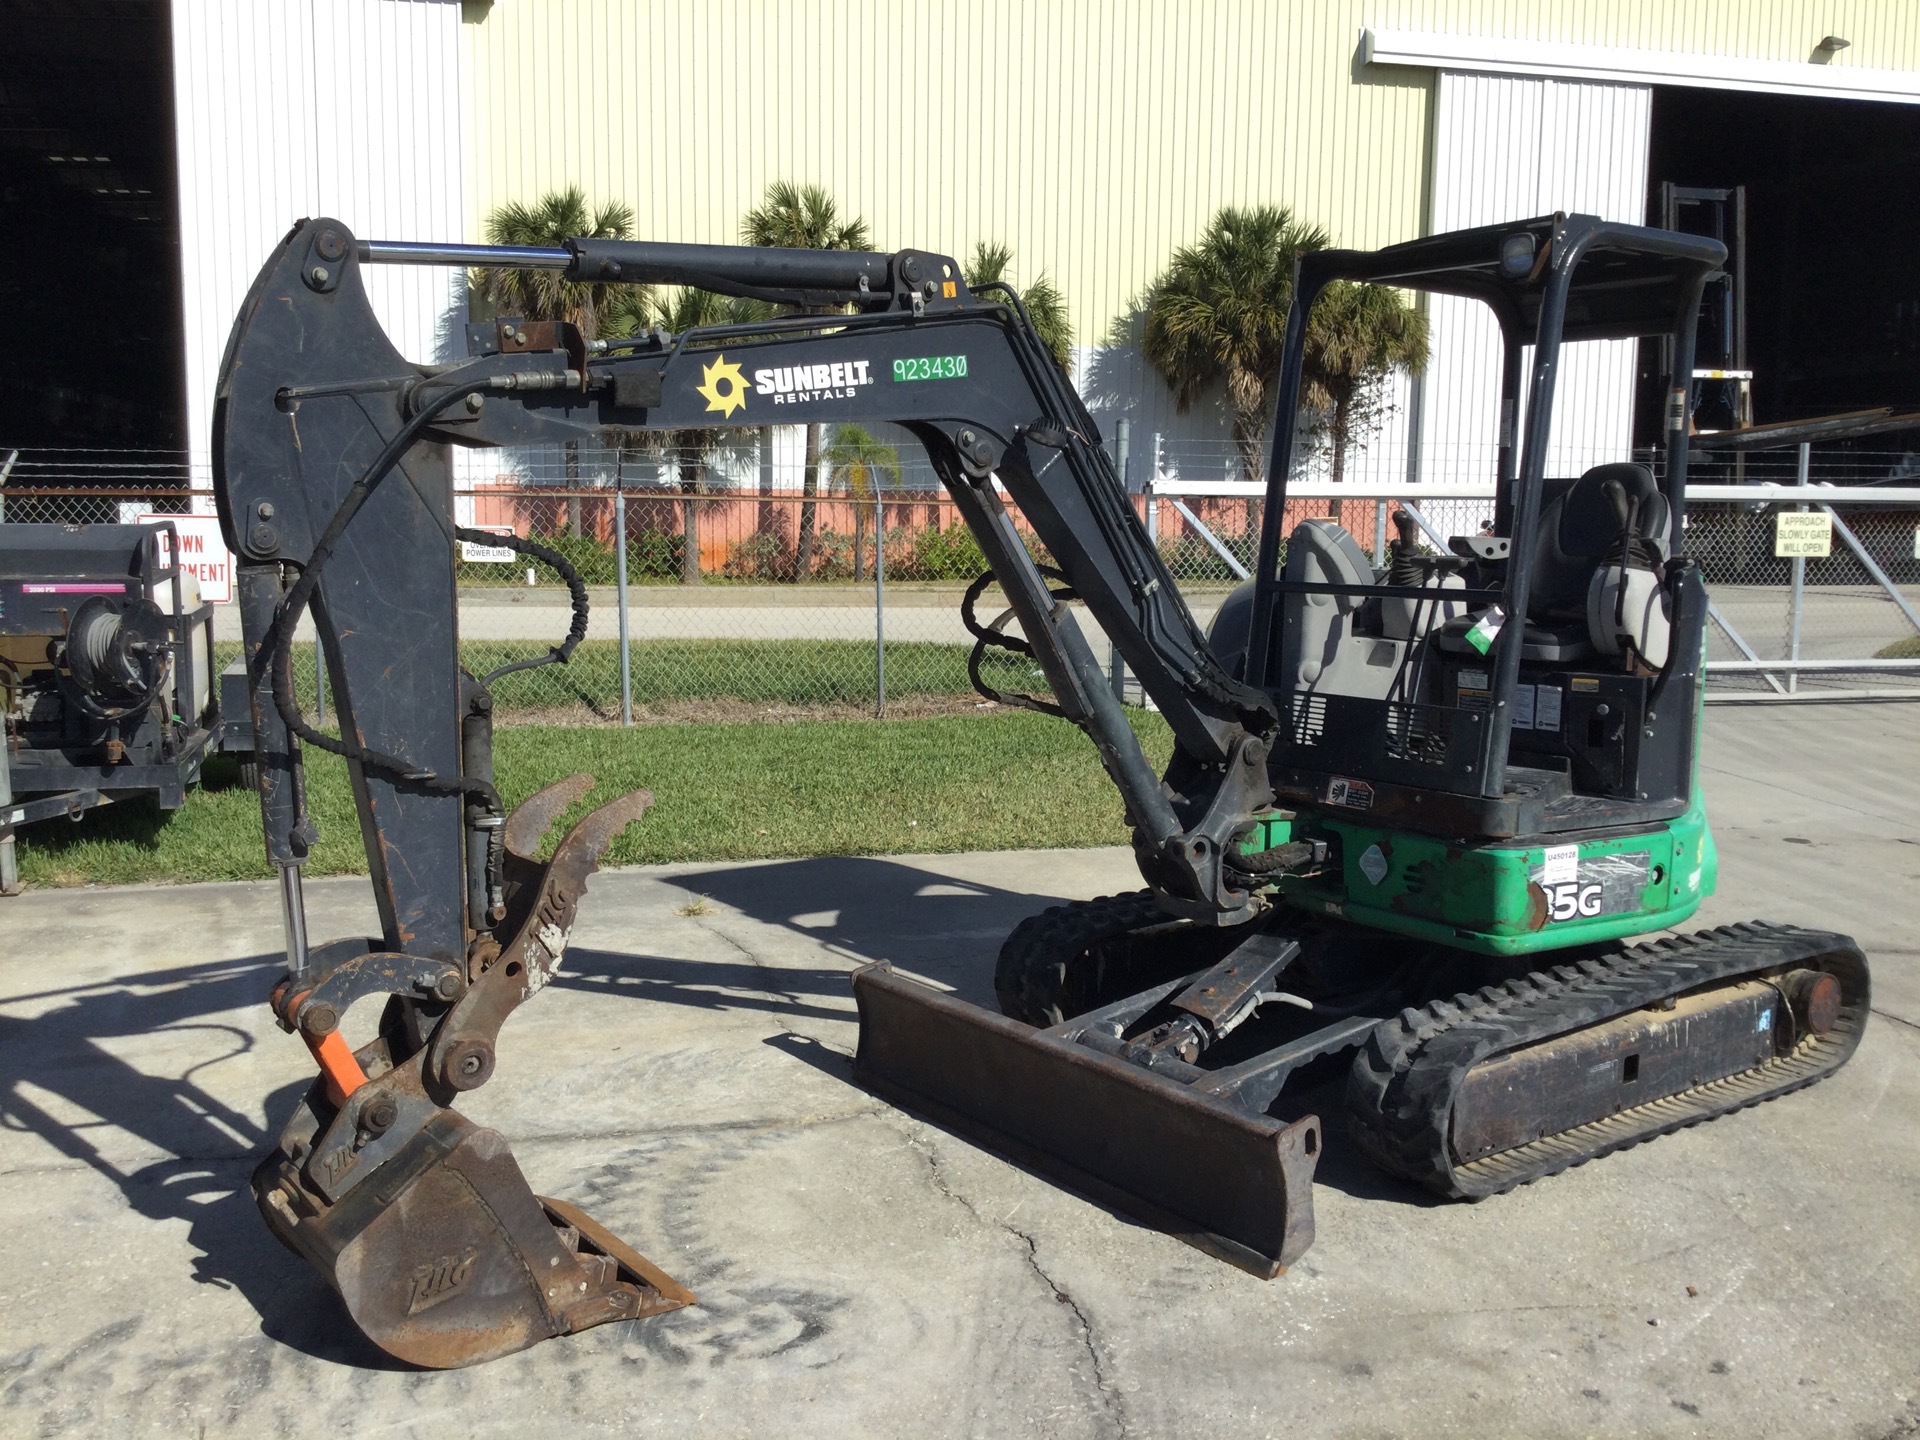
<point>723,385</point>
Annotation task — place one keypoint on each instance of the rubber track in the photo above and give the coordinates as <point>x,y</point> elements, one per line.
<point>1030,976</point>
<point>1401,1089</point>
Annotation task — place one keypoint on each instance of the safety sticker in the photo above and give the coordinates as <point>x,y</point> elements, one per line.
<point>1374,865</point>
<point>1579,889</point>
<point>1354,794</point>
<point>1546,707</point>
<point>1523,707</point>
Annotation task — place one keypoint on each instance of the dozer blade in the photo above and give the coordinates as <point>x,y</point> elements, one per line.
<point>1235,1184</point>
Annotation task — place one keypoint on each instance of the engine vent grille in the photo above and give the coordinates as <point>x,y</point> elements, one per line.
<point>1309,718</point>
<point>1420,733</point>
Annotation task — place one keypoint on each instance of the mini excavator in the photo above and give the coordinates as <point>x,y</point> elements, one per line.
<point>1413,819</point>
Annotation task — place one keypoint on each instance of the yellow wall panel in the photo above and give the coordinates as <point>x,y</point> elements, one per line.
<point>1092,137</point>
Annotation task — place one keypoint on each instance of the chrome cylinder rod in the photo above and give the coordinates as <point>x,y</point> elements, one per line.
<point>294,914</point>
<point>409,252</point>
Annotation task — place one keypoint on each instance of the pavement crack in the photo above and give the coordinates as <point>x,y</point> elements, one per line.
<point>1896,1019</point>
<point>1116,1410</point>
<point>766,1125</point>
<point>791,997</point>
<point>1083,1323</point>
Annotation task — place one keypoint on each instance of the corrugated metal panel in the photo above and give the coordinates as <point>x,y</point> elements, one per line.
<point>1505,149</point>
<point>1092,135</point>
<point>287,108</point>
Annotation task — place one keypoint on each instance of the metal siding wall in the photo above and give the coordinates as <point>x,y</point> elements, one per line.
<point>1486,167</point>
<point>1594,160</point>
<point>1506,149</point>
<point>391,152</point>
<point>1092,137</point>
<point>288,108</point>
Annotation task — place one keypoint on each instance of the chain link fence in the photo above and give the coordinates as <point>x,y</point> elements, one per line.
<point>747,598</point>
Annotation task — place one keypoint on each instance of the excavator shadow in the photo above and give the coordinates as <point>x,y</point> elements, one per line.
<point>945,930</point>
<point>174,1147</point>
<point>865,908</point>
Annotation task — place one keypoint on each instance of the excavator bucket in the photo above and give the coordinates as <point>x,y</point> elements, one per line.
<point>1182,1157</point>
<point>447,1258</point>
<point>419,1218</point>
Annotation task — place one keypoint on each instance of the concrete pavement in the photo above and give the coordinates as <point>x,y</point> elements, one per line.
<point>861,1272</point>
<point>1838,623</point>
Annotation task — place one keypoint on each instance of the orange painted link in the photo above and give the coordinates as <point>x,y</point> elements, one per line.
<point>342,1071</point>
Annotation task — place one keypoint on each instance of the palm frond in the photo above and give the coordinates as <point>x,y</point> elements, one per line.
<point>992,261</point>
<point>547,223</point>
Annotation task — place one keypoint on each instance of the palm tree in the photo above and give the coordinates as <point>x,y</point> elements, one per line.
<point>684,309</point>
<point>1046,306</point>
<point>550,221</point>
<point>860,463</point>
<point>1357,335</point>
<point>804,217</point>
<point>1218,315</point>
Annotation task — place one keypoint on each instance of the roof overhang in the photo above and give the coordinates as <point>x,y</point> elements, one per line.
<point>1488,55</point>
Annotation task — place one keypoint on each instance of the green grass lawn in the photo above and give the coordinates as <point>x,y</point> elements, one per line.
<point>770,672</point>
<point>1006,780</point>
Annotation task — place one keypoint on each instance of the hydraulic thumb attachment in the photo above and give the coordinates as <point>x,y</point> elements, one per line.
<point>420,1219</point>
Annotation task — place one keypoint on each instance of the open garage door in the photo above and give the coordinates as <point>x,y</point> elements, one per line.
<point>1832,302</point>
<point>89,232</point>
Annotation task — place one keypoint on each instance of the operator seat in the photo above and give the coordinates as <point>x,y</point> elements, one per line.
<point>1321,649</point>
<point>1580,541</point>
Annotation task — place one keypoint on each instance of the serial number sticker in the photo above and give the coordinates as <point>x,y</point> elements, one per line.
<point>1546,707</point>
<point>931,367</point>
<point>1523,707</point>
<point>1562,863</point>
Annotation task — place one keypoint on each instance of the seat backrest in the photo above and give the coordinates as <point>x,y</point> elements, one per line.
<point>1581,526</point>
<point>1324,552</point>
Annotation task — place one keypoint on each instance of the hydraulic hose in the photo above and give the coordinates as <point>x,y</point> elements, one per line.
<point>287,619</point>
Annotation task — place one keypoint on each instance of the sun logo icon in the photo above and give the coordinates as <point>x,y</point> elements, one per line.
<point>723,386</point>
